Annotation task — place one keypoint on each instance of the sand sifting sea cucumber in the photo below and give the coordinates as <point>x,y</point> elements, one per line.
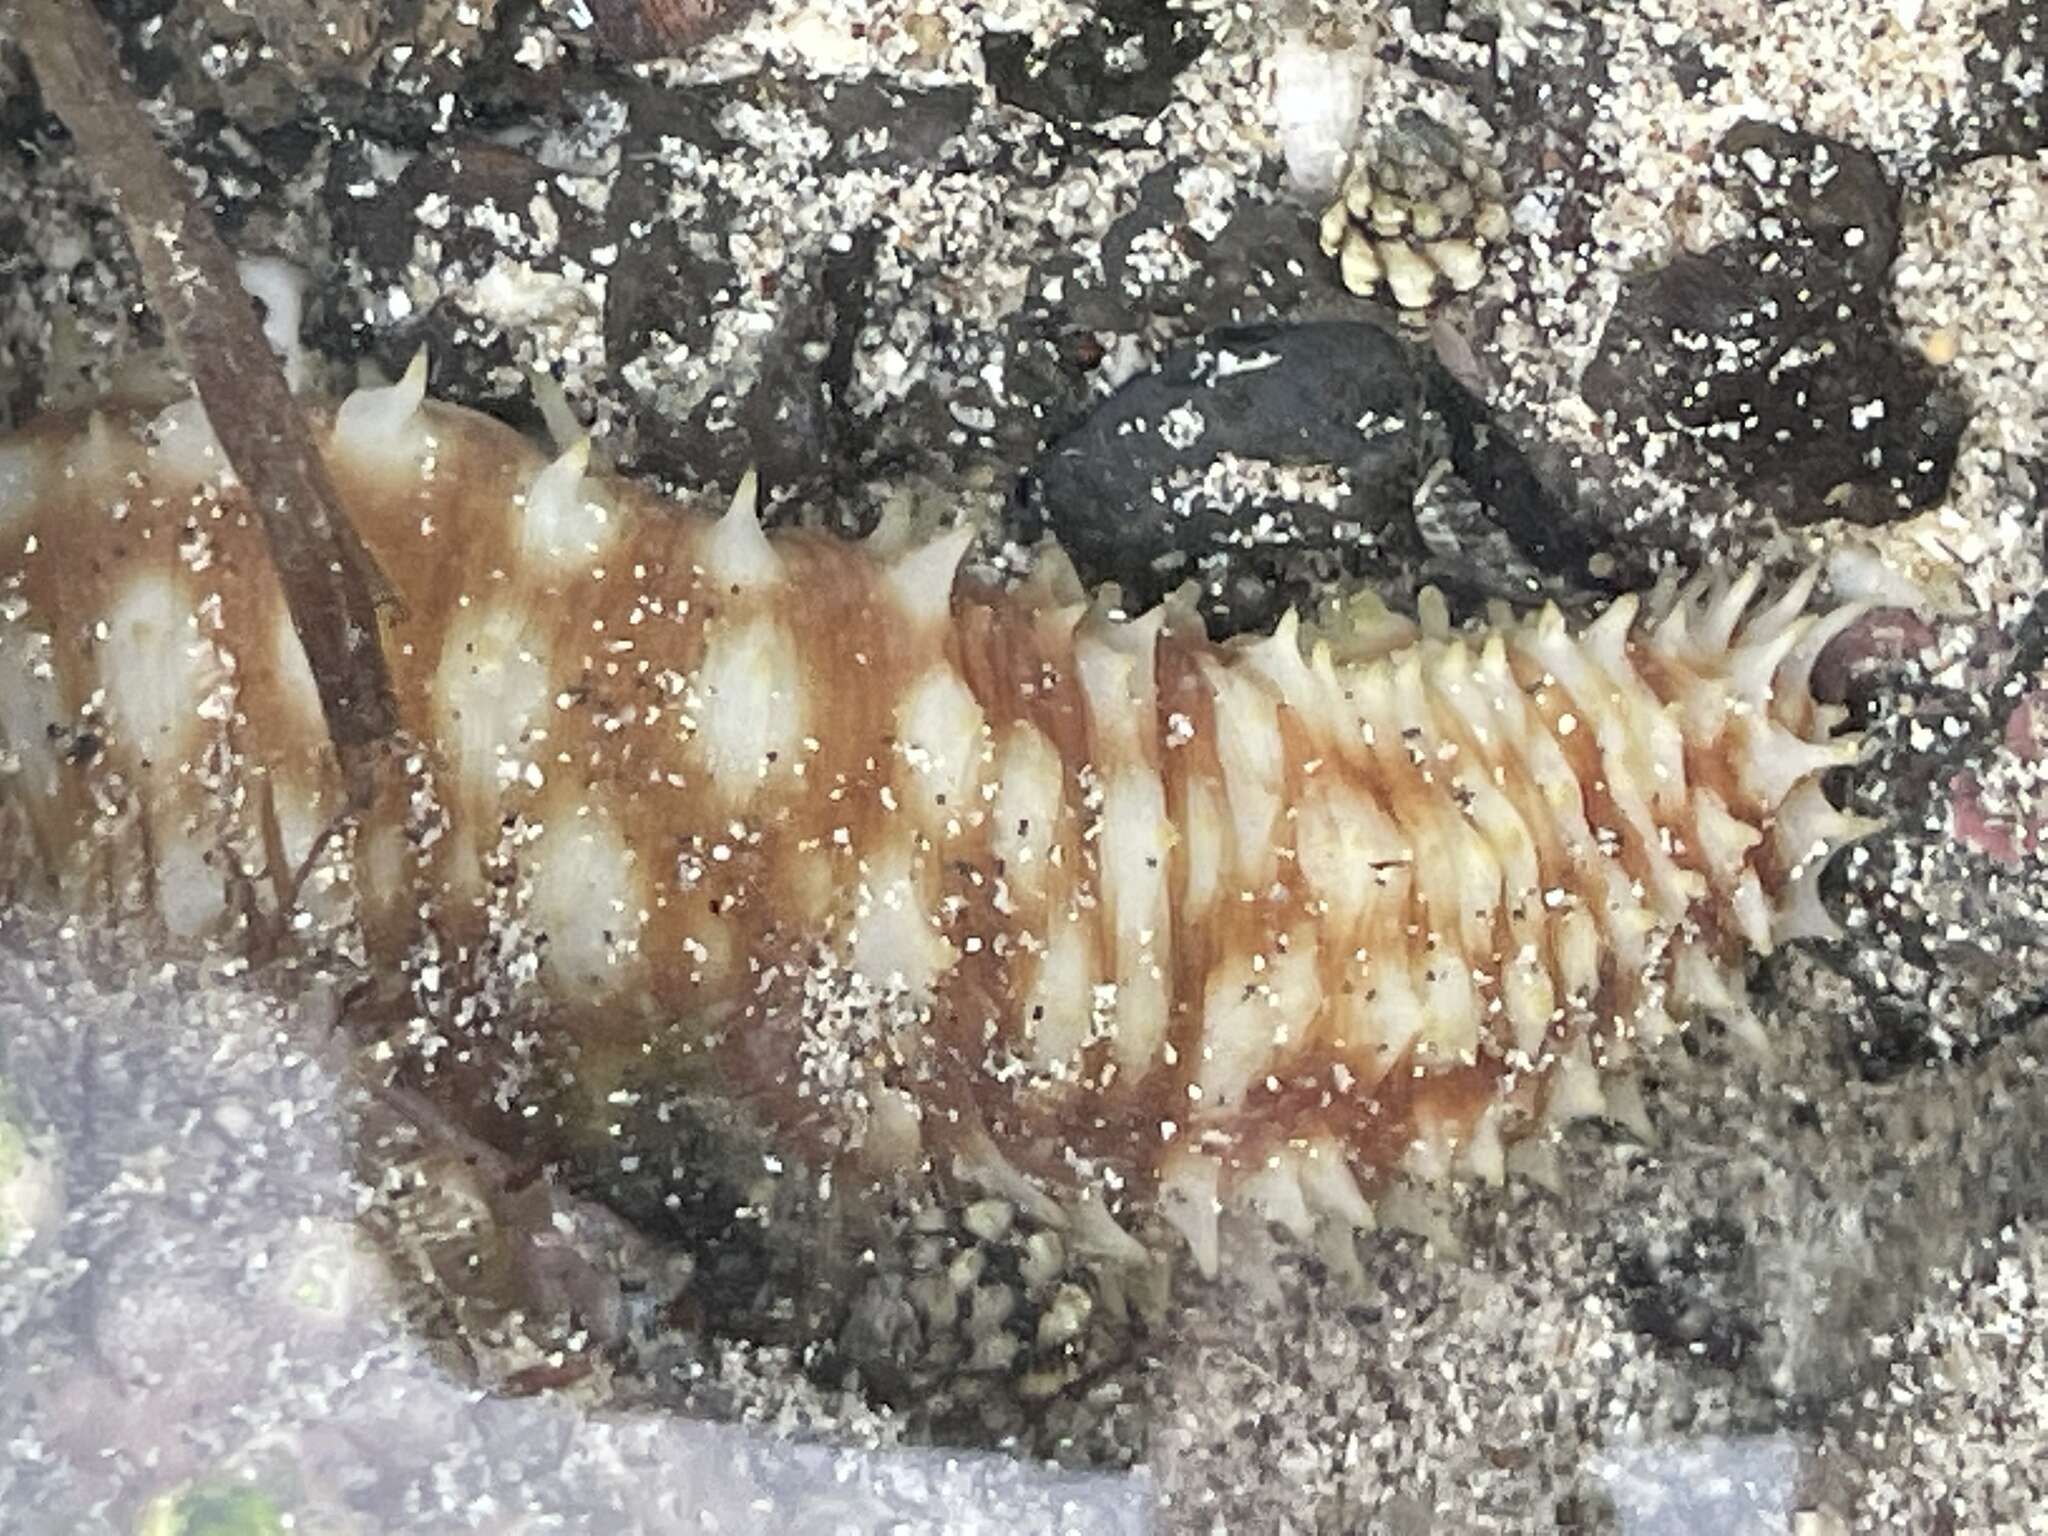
<point>926,873</point>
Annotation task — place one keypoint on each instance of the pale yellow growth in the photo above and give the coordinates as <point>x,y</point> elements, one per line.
<point>184,452</point>
<point>1379,1019</point>
<point>750,704</point>
<point>1096,1232</point>
<point>737,554</point>
<point>1025,815</point>
<point>1204,840</point>
<point>1529,998</point>
<point>1698,980</point>
<point>1106,683</point>
<point>1189,1184</point>
<point>586,894</point>
<point>566,522</point>
<point>1574,1091</point>
<point>1626,922</point>
<point>1135,843</point>
<point>1274,1192</point>
<point>1057,1007</point>
<point>894,942</point>
<point>156,669</point>
<point>921,582</point>
<point>490,693</point>
<point>1507,836</point>
<point>942,738</point>
<point>1724,838</point>
<point>382,431</point>
<point>1801,914</point>
<point>1255,1009</point>
<point>1641,742</point>
<point>1450,1008</point>
<point>1482,885</point>
<point>1324,1169</point>
<point>1774,760</point>
<point>1115,663</point>
<point>1249,747</point>
<point>1753,912</point>
<point>1753,669</point>
<point>1483,1156</point>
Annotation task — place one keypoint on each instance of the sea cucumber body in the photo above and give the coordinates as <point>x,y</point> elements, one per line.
<point>924,872</point>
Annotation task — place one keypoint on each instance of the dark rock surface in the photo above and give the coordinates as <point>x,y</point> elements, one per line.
<point>1266,463</point>
<point>2005,110</point>
<point>632,30</point>
<point>1256,463</point>
<point>1771,356</point>
<point>1688,1294</point>
<point>1120,62</point>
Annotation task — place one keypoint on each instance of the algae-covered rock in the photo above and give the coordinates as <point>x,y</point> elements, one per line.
<point>213,1509</point>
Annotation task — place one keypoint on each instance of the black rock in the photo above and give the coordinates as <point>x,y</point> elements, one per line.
<point>1253,272</point>
<point>665,290</point>
<point>1686,1293</point>
<point>1429,16</point>
<point>1768,363</point>
<point>457,210</point>
<point>1121,62</point>
<point>1266,462</point>
<point>786,413</point>
<point>875,124</point>
<point>1186,472</point>
<point>2002,112</point>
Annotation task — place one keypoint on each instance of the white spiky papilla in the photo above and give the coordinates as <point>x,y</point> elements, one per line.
<point>384,424</point>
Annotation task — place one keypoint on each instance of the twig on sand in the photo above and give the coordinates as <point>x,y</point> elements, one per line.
<point>330,581</point>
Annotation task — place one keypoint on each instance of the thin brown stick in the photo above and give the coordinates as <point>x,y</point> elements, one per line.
<point>329,579</point>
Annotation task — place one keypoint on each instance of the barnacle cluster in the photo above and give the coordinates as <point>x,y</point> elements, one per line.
<point>1416,213</point>
<point>992,1305</point>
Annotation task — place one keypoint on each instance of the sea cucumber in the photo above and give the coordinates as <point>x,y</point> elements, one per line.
<point>926,873</point>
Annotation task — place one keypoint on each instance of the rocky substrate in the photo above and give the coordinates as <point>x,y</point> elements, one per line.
<point>1770,288</point>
